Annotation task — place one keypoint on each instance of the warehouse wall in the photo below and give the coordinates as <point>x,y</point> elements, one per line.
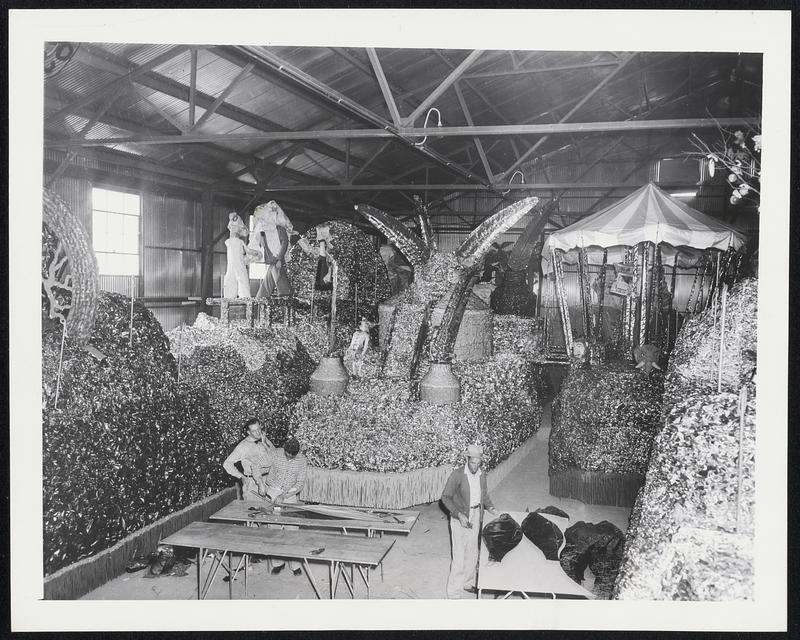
<point>170,244</point>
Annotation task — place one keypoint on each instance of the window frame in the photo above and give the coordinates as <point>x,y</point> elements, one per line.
<point>139,230</point>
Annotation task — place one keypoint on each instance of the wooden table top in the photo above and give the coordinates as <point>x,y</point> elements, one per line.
<point>281,543</point>
<point>394,520</point>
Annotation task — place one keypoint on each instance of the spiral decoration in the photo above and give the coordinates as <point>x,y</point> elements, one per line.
<point>69,269</point>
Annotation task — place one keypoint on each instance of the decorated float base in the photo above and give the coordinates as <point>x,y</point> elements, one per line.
<point>604,421</point>
<point>395,490</point>
<point>378,445</point>
<point>596,487</point>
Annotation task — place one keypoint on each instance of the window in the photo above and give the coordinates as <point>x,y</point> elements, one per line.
<point>115,232</point>
<point>257,269</point>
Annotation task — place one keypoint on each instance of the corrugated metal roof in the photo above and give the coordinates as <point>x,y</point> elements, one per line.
<point>676,84</point>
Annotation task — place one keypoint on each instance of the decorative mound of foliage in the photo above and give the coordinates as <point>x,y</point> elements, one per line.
<point>380,425</point>
<point>245,373</point>
<point>124,447</point>
<point>694,361</point>
<point>605,420</point>
<point>692,526</point>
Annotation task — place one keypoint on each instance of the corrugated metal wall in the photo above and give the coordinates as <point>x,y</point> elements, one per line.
<point>171,243</point>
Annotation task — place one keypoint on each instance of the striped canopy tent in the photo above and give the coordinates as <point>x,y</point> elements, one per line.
<point>648,215</point>
<point>643,229</point>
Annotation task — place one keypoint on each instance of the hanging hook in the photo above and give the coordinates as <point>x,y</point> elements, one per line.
<point>424,126</point>
<point>522,175</point>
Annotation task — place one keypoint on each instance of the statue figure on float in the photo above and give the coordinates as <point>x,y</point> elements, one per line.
<point>269,240</point>
<point>237,280</point>
<point>359,345</point>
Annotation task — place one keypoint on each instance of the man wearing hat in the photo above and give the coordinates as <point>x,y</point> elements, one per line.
<point>464,496</point>
<point>285,480</point>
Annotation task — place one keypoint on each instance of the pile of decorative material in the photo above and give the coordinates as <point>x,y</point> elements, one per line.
<point>124,447</point>
<point>694,361</point>
<point>380,425</point>
<point>245,372</point>
<point>605,420</point>
<point>517,334</point>
<point>691,533</point>
<point>314,335</point>
<point>362,271</point>
<point>523,336</point>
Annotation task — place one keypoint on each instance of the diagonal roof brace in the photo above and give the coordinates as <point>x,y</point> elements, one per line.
<point>359,111</point>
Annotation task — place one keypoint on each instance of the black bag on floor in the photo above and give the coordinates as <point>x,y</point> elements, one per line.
<point>501,535</point>
<point>543,533</point>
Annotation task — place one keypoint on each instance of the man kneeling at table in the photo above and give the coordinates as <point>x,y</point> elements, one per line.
<point>285,479</point>
<point>464,495</point>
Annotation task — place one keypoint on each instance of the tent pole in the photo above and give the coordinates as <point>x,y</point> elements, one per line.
<point>643,296</point>
<point>561,292</point>
<point>601,295</point>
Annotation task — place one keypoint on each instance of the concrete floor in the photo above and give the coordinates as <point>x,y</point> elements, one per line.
<point>416,566</point>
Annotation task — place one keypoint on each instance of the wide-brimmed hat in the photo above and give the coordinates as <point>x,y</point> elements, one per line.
<point>475,451</point>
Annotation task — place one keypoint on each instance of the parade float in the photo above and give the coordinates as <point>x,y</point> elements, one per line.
<point>391,436</point>
<point>619,312</point>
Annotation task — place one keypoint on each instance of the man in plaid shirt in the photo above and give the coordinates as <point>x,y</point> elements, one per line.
<point>285,480</point>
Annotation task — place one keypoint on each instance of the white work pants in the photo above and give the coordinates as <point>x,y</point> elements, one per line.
<point>464,562</point>
<point>278,562</point>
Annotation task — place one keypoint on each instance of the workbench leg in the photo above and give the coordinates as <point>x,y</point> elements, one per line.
<point>210,580</point>
<point>347,581</point>
<point>311,578</point>
<point>230,576</point>
<point>200,557</point>
<point>246,562</point>
<point>365,576</point>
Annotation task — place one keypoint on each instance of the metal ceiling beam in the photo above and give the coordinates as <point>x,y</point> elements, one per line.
<point>369,161</point>
<point>166,115</point>
<point>533,186</point>
<point>193,88</point>
<point>475,139</point>
<point>130,74</point>
<point>625,60</point>
<point>222,96</point>
<point>454,75</point>
<point>442,132</point>
<point>398,92</point>
<point>384,85</point>
<point>303,79</point>
<point>163,84</point>
<point>528,71</point>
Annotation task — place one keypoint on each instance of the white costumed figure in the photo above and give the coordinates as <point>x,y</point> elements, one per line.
<point>359,345</point>
<point>270,241</point>
<point>237,280</point>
